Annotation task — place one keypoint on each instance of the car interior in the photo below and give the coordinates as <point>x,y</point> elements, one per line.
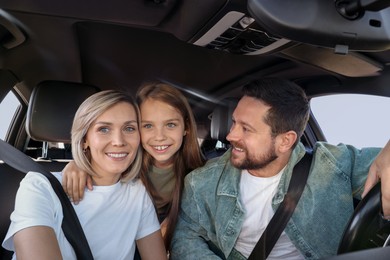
<point>55,54</point>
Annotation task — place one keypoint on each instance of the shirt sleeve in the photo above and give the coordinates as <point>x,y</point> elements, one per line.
<point>353,162</point>
<point>35,205</point>
<point>149,222</point>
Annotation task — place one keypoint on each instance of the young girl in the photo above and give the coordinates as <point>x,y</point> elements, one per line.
<point>105,145</point>
<point>169,137</point>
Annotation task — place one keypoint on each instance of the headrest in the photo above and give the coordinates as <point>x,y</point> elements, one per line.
<point>52,107</point>
<point>221,119</point>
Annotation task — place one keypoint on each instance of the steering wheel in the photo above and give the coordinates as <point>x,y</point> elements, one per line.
<point>366,228</point>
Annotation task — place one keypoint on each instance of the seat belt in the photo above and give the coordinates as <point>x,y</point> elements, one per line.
<point>70,224</point>
<point>285,210</point>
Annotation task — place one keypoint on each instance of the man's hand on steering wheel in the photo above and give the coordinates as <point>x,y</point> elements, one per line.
<point>380,170</point>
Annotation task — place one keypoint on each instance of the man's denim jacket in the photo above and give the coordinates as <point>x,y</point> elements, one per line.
<point>212,214</point>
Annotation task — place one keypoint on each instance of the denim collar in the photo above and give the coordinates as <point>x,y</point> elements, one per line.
<point>296,155</point>
<point>231,176</point>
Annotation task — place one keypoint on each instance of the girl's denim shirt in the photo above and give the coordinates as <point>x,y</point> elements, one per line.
<point>212,214</point>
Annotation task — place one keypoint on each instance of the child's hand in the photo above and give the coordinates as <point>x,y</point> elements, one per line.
<point>74,182</point>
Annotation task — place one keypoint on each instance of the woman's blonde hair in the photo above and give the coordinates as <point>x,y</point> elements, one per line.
<point>86,114</point>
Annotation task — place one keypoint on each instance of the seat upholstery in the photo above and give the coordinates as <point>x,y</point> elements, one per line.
<point>52,107</point>
<point>221,121</point>
<point>49,118</point>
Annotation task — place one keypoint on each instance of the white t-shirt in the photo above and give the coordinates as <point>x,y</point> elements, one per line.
<point>256,195</point>
<point>112,217</point>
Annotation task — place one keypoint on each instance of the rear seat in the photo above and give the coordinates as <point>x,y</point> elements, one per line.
<point>49,119</point>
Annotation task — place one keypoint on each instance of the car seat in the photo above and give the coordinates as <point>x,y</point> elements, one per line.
<point>221,121</point>
<point>51,110</point>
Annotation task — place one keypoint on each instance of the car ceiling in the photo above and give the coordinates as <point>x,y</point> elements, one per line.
<point>120,44</point>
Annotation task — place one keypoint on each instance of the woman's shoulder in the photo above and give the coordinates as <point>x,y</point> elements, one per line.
<point>35,178</point>
<point>135,184</point>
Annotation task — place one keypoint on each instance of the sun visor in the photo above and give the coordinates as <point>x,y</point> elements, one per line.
<point>326,23</point>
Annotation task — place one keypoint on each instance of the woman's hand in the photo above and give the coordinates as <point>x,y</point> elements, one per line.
<point>74,182</point>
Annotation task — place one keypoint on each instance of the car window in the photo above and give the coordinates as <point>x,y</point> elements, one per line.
<point>360,120</point>
<point>8,108</point>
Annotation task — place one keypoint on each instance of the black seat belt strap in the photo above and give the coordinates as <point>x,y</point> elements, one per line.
<point>285,210</point>
<point>70,223</point>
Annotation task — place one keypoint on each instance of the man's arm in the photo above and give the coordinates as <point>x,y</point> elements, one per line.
<point>188,242</point>
<point>37,242</point>
<point>380,170</point>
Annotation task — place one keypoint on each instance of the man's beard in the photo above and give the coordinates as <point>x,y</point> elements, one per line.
<point>252,163</point>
